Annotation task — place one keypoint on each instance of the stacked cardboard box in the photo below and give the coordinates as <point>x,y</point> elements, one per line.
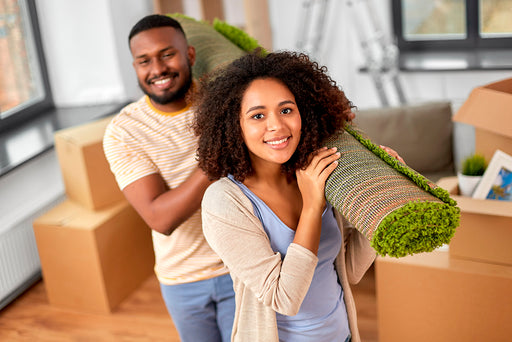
<point>434,297</point>
<point>485,231</point>
<point>85,170</point>
<point>459,294</point>
<point>488,109</point>
<point>94,248</point>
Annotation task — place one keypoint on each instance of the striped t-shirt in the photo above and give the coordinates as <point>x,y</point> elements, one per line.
<point>142,140</point>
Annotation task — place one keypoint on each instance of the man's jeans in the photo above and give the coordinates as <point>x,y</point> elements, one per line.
<point>203,310</point>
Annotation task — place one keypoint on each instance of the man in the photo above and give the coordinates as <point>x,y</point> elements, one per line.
<point>152,152</point>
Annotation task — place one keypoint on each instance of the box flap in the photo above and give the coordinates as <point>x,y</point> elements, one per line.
<point>441,260</point>
<point>484,206</point>
<point>489,107</point>
<point>472,205</point>
<point>70,215</point>
<point>85,134</point>
<point>450,184</point>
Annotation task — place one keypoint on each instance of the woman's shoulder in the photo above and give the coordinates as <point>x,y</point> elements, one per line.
<point>224,192</point>
<point>225,208</point>
<point>222,187</point>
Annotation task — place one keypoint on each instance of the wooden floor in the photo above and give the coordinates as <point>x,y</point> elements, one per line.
<point>141,317</point>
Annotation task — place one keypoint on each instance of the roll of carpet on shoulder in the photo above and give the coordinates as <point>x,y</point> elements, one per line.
<point>399,210</point>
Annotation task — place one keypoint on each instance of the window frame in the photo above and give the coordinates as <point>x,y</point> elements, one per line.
<point>473,41</point>
<point>46,102</point>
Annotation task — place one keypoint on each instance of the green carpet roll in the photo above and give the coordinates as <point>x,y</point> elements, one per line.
<point>213,49</point>
<point>396,208</point>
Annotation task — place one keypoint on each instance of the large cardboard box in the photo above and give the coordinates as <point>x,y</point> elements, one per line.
<point>488,108</point>
<point>485,230</point>
<point>432,297</point>
<point>92,260</point>
<point>85,170</point>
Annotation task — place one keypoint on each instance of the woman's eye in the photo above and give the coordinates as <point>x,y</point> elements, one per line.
<point>257,116</point>
<point>286,111</point>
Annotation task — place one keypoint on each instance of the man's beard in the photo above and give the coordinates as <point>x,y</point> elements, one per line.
<point>170,96</point>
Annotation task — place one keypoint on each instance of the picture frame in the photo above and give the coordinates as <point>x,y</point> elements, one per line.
<point>496,182</point>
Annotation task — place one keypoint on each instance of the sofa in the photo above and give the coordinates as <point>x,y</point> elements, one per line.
<point>421,133</point>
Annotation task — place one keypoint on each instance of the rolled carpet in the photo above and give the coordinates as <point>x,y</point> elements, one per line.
<point>216,45</point>
<point>396,208</point>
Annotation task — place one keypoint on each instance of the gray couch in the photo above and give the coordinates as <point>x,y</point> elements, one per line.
<point>422,134</point>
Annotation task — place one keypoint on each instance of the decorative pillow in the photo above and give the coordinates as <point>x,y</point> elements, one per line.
<point>420,133</point>
<point>213,49</point>
<point>396,208</point>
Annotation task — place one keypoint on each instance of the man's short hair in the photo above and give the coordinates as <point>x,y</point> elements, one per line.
<point>153,21</point>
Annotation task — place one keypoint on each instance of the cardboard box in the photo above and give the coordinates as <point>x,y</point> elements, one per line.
<point>85,170</point>
<point>488,110</point>
<point>92,260</point>
<point>485,231</point>
<point>432,297</point>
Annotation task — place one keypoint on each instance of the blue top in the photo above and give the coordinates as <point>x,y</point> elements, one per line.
<point>322,315</point>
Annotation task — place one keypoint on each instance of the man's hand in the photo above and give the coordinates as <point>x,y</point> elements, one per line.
<point>392,153</point>
<point>350,115</point>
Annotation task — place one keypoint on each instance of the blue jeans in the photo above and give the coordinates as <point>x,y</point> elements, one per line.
<point>203,310</point>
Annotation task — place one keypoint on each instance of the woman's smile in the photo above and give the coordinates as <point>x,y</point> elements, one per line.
<point>277,143</point>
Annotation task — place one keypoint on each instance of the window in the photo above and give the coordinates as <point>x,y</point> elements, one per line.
<point>24,87</point>
<point>452,24</point>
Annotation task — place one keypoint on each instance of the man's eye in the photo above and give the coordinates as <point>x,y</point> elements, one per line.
<point>143,62</point>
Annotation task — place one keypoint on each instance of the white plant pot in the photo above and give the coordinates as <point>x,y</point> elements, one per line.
<point>467,184</point>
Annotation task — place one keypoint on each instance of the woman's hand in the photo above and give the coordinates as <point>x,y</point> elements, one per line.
<point>311,180</point>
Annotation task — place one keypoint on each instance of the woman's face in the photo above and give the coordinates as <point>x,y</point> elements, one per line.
<point>270,121</point>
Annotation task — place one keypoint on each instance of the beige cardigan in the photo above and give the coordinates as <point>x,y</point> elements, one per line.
<point>263,283</point>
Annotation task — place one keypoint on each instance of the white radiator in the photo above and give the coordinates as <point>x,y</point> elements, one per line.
<point>25,193</point>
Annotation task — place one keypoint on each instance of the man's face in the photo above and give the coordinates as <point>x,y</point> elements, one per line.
<point>162,61</point>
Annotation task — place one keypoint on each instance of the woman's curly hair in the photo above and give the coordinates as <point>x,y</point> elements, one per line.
<point>323,109</point>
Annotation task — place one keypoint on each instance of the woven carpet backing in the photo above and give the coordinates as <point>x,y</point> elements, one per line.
<point>213,49</point>
<point>396,208</point>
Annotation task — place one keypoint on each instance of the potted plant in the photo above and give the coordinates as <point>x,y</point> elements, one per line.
<point>473,168</point>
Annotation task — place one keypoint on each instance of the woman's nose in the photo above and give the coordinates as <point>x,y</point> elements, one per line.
<point>273,122</point>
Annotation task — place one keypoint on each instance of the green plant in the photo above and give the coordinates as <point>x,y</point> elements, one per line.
<point>474,165</point>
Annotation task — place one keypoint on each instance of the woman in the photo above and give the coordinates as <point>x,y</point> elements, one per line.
<point>261,122</point>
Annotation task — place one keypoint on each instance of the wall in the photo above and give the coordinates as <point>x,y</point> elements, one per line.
<point>86,49</point>
<point>86,46</point>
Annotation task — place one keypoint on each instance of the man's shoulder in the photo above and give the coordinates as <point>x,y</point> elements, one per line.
<point>132,109</point>
<point>132,112</point>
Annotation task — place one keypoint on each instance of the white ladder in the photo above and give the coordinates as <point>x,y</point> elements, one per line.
<point>380,52</point>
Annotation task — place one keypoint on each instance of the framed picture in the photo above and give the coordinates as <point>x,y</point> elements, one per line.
<point>496,182</point>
